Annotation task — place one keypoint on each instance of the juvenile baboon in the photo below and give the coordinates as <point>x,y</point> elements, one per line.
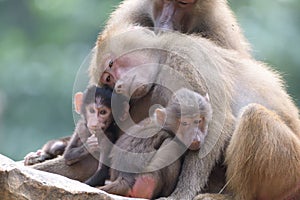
<point>107,137</point>
<point>233,83</point>
<point>212,19</point>
<point>73,148</point>
<point>95,132</point>
<point>148,167</point>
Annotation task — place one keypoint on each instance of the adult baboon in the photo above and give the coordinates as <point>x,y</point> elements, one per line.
<point>131,62</point>
<point>212,19</point>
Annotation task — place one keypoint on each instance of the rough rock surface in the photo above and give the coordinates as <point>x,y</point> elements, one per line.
<point>18,182</point>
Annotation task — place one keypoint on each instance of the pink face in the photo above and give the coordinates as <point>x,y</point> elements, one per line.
<point>173,14</point>
<point>115,68</point>
<point>129,74</point>
<point>191,132</point>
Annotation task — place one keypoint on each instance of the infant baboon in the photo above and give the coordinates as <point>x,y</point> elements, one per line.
<point>82,142</point>
<point>95,132</point>
<point>107,137</point>
<point>149,162</point>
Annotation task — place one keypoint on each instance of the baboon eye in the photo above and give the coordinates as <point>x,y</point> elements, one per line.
<point>110,64</point>
<point>103,112</point>
<point>198,121</point>
<point>108,79</point>
<point>184,123</point>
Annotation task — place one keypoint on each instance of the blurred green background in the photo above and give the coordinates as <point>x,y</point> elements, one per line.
<point>44,42</point>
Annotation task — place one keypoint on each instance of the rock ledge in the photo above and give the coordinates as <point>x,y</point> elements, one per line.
<point>20,182</point>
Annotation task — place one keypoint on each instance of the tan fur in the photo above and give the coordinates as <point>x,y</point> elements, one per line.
<point>232,83</point>
<point>212,19</point>
<point>269,165</point>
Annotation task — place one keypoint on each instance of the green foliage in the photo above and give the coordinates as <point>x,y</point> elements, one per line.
<point>43,44</point>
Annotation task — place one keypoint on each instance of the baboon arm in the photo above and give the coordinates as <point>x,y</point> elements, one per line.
<point>75,154</point>
<point>168,152</point>
<point>102,173</point>
<point>98,179</point>
<point>75,151</point>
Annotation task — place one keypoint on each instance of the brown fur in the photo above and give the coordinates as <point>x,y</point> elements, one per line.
<point>92,122</point>
<point>50,150</point>
<point>232,83</point>
<point>77,171</point>
<point>76,150</point>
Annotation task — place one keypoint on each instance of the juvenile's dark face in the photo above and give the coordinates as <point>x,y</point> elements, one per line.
<point>173,14</point>
<point>98,116</point>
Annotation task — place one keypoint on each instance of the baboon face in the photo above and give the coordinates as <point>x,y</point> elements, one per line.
<point>94,106</point>
<point>98,116</point>
<point>187,116</point>
<point>131,75</point>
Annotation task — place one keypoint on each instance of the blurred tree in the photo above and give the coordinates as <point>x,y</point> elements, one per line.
<point>273,28</point>
<point>44,42</point>
<point>42,46</point>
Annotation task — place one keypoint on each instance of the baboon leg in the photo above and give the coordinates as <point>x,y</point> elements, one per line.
<point>80,171</point>
<point>98,179</point>
<point>263,157</point>
<point>119,187</point>
<point>146,186</point>
<point>143,187</point>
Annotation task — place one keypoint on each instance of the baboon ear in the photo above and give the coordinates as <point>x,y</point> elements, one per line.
<point>160,116</point>
<point>78,97</point>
